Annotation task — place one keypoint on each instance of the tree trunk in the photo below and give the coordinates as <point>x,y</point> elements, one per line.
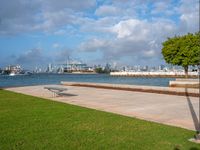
<point>186,71</point>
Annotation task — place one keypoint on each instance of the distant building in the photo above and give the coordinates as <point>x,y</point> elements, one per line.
<point>60,69</point>
<point>114,66</point>
<point>37,70</point>
<point>107,67</point>
<point>77,67</point>
<point>49,68</point>
<point>13,69</point>
<point>145,68</point>
<point>161,67</point>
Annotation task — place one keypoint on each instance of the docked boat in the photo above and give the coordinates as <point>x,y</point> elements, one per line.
<point>12,74</point>
<point>15,70</point>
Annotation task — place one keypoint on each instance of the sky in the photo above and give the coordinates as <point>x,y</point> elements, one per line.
<point>123,32</point>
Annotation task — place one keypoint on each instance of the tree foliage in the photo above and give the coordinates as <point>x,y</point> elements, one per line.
<point>100,70</point>
<point>182,50</point>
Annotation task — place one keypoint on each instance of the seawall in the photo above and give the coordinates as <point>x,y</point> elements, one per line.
<point>156,74</point>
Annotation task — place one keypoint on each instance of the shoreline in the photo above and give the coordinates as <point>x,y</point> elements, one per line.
<point>155,74</point>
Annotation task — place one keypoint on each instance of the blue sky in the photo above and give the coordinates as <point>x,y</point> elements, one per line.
<point>124,32</point>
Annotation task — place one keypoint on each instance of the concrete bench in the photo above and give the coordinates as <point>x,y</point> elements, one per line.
<point>56,90</point>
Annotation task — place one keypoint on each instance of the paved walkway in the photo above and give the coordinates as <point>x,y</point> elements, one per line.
<point>173,110</point>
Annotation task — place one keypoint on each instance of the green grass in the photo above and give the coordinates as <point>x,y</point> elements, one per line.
<point>28,122</point>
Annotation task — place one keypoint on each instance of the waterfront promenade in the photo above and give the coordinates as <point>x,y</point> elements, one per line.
<point>180,111</point>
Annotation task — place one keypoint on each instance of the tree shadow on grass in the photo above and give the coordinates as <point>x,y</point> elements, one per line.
<point>192,111</point>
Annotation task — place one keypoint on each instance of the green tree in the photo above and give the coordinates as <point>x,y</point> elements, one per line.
<point>182,50</point>
<point>100,70</point>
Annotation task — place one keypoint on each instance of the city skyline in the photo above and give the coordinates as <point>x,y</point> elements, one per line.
<point>35,33</point>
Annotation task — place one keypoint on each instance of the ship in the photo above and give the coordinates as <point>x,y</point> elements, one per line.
<point>13,70</point>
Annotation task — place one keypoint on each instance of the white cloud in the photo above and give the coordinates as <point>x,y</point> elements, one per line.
<point>54,20</point>
<point>93,45</point>
<point>107,10</point>
<point>118,29</point>
<point>101,25</point>
<point>21,16</point>
<point>132,27</point>
<point>189,16</point>
<point>39,57</point>
<point>56,45</point>
<point>77,5</point>
<point>32,57</point>
<point>60,32</point>
<point>135,39</point>
<point>149,53</point>
<point>163,7</point>
<point>62,55</point>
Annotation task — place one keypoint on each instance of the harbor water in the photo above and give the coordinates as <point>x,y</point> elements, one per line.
<point>42,79</point>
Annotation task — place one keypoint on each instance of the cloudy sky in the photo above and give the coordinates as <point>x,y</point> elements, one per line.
<point>38,32</point>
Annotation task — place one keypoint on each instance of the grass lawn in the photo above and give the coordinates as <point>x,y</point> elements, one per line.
<point>28,122</point>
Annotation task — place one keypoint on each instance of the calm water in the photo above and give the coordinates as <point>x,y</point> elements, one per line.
<point>38,79</point>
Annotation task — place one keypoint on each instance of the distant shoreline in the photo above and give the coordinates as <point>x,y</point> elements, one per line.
<point>82,73</point>
<point>155,74</point>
